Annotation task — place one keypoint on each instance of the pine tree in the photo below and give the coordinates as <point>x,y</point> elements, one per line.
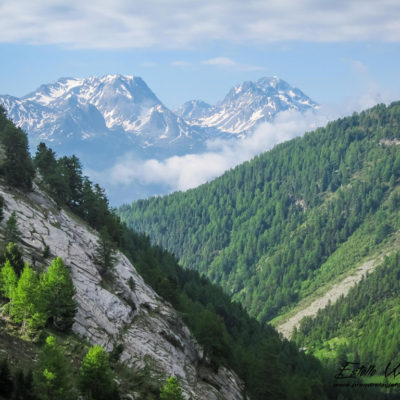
<point>8,280</point>
<point>6,383</point>
<point>23,386</point>
<point>27,303</point>
<point>57,292</point>
<point>52,377</point>
<point>1,208</point>
<point>11,232</point>
<point>14,255</point>
<point>45,161</point>
<point>171,390</point>
<point>212,335</point>
<point>105,253</point>
<point>96,378</point>
<point>17,166</point>
<point>71,170</point>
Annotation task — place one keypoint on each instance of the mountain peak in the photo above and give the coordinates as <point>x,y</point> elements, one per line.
<point>269,80</point>
<point>193,109</point>
<point>120,107</point>
<point>248,104</point>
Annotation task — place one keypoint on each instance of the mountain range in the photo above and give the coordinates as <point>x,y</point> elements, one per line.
<point>246,106</point>
<point>114,114</point>
<point>102,119</point>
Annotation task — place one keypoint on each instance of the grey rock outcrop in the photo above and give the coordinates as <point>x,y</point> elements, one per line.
<point>130,313</point>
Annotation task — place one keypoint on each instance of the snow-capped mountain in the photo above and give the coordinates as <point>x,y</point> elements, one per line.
<point>115,111</point>
<point>121,113</point>
<point>117,120</point>
<point>246,105</point>
<point>194,109</point>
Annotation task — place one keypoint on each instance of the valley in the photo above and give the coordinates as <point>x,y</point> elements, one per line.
<point>199,200</point>
<point>288,236</point>
<point>296,230</point>
<point>286,323</point>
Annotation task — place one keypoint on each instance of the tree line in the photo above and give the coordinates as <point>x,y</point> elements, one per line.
<point>270,368</point>
<point>263,230</point>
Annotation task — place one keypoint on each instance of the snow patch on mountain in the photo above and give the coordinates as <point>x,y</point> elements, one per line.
<point>113,108</point>
<point>247,105</point>
<point>102,119</point>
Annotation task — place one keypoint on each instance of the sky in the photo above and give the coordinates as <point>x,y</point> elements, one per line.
<point>334,51</point>
<point>344,54</point>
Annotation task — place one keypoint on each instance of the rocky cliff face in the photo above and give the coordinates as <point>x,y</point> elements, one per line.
<point>128,311</point>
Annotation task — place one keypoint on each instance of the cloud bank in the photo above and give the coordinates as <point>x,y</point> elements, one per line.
<point>225,62</point>
<point>182,23</point>
<point>191,170</point>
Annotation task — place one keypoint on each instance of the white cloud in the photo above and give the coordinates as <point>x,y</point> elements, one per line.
<point>191,170</point>
<point>370,91</point>
<point>182,23</point>
<point>131,178</point>
<point>225,62</point>
<point>221,62</point>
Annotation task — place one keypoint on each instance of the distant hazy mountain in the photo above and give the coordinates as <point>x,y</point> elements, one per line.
<point>116,113</point>
<point>102,119</point>
<point>247,105</point>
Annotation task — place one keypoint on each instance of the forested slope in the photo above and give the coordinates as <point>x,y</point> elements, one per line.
<point>361,326</point>
<point>274,229</point>
<point>269,367</point>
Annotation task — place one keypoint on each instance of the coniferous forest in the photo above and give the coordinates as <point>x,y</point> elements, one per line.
<point>274,229</point>
<point>284,214</point>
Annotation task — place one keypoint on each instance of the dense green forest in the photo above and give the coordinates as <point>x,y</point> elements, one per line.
<point>363,326</point>
<point>265,230</point>
<point>271,368</point>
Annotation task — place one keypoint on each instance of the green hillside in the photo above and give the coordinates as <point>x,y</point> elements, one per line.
<point>361,326</point>
<point>33,339</point>
<point>272,231</point>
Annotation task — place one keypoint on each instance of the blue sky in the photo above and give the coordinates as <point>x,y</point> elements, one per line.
<point>336,52</point>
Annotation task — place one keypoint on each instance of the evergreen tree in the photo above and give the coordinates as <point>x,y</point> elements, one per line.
<point>8,280</point>
<point>23,386</point>
<point>212,335</point>
<point>105,252</point>
<point>52,378</point>
<point>6,383</point>
<point>171,390</point>
<point>45,161</point>
<point>27,305</point>
<point>96,378</point>
<point>1,208</point>
<point>11,232</point>
<point>17,166</point>
<point>14,255</point>
<point>71,171</point>
<point>87,209</point>
<point>57,292</point>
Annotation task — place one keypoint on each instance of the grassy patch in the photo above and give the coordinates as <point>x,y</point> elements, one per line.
<point>329,348</point>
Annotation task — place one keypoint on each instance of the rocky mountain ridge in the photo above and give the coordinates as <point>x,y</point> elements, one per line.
<point>114,113</point>
<point>122,113</point>
<point>129,314</point>
<point>247,105</point>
